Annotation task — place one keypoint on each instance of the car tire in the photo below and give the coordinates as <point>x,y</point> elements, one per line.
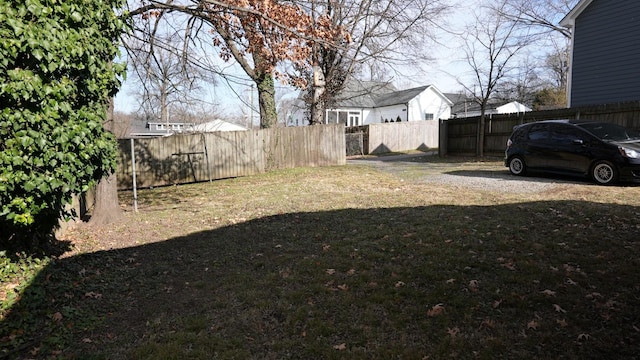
<point>517,166</point>
<point>604,173</point>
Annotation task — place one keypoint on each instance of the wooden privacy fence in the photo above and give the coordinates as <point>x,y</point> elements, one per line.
<point>199,157</point>
<point>461,136</point>
<point>390,137</point>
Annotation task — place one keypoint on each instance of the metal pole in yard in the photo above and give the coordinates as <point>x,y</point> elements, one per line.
<point>133,169</point>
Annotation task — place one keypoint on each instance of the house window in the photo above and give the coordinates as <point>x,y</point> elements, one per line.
<point>428,116</point>
<point>354,118</point>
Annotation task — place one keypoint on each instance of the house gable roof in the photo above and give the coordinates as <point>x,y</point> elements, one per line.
<point>375,95</point>
<point>569,21</point>
<point>399,97</point>
<point>217,125</point>
<point>362,94</point>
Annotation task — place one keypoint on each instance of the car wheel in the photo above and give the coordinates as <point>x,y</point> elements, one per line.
<point>517,166</point>
<point>604,173</point>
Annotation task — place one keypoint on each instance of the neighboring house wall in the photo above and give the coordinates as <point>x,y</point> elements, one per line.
<point>429,105</point>
<point>606,49</point>
<point>387,114</point>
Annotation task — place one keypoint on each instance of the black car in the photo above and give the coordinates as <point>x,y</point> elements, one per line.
<point>605,152</point>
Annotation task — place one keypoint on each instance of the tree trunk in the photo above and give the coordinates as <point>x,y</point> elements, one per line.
<point>106,207</point>
<point>266,100</point>
<point>317,108</point>
<point>480,150</point>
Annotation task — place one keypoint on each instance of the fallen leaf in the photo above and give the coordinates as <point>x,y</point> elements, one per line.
<point>351,272</point>
<point>488,324</point>
<point>326,247</point>
<point>451,281</point>
<point>93,295</point>
<point>340,347</point>
<point>496,303</point>
<point>400,284</point>
<point>453,332</point>
<point>557,308</point>
<point>509,265</point>
<point>549,293</point>
<point>57,317</point>
<point>594,295</point>
<point>583,337</point>
<point>87,341</point>
<point>330,271</point>
<point>343,287</point>
<point>436,310</point>
<point>562,323</point>
<point>533,325</point>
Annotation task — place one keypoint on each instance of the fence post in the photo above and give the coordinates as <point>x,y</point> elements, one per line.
<point>443,136</point>
<point>133,170</point>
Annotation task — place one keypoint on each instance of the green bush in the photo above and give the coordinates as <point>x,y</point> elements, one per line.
<point>56,76</point>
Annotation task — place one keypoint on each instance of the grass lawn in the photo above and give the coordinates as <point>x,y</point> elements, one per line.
<point>347,262</point>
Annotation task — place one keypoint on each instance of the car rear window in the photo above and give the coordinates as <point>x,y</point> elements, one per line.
<point>519,134</point>
<point>539,132</point>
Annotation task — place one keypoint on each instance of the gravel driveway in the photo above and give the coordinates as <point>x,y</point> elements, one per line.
<point>490,174</point>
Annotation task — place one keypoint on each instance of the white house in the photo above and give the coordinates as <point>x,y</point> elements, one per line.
<point>512,107</point>
<point>216,125</point>
<point>466,107</point>
<point>374,103</point>
<point>156,129</point>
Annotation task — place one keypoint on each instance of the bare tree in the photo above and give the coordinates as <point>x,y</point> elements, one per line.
<point>163,81</point>
<point>259,35</point>
<point>123,124</point>
<point>491,46</point>
<point>541,16</point>
<point>170,70</point>
<point>523,83</point>
<point>386,37</point>
<point>557,65</point>
<point>541,19</point>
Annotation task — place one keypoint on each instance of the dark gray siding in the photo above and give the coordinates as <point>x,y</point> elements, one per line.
<point>606,58</point>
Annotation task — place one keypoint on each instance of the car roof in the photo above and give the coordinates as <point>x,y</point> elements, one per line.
<point>565,121</point>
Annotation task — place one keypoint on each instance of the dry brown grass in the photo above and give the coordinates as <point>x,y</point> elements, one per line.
<point>347,262</point>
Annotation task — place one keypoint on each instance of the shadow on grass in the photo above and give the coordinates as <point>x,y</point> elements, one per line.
<point>528,280</point>
<point>533,176</point>
<point>536,177</point>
